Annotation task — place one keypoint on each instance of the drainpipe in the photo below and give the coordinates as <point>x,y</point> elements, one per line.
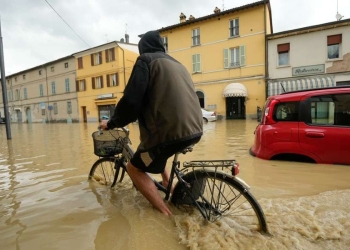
<point>266,53</point>
<point>123,64</point>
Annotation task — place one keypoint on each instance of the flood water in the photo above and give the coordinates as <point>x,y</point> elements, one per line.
<point>46,201</point>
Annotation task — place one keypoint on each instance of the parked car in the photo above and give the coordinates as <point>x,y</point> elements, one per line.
<point>308,125</point>
<point>209,116</point>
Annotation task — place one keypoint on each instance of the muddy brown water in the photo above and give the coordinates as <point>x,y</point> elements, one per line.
<point>46,201</point>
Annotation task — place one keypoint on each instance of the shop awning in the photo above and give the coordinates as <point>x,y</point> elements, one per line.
<point>275,87</point>
<point>235,90</point>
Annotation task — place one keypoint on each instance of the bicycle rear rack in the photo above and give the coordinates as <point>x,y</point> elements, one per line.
<point>223,165</point>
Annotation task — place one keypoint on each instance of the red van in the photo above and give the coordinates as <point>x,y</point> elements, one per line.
<point>307,125</point>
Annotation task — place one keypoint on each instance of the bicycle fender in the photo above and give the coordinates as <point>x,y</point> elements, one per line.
<point>240,181</point>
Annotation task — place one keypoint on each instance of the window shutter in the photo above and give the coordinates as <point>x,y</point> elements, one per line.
<point>100,57</point>
<point>225,58</point>
<point>93,82</point>
<point>106,54</point>
<point>77,85</point>
<point>108,81</point>
<point>198,63</point>
<point>84,84</point>
<point>117,79</point>
<point>242,55</point>
<point>113,55</point>
<point>336,39</point>
<point>92,59</point>
<point>101,77</point>
<point>194,63</point>
<point>282,48</point>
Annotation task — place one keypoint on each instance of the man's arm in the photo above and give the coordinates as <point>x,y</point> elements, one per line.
<point>129,106</point>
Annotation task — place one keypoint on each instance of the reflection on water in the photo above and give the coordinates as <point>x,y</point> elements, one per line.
<point>47,202</point>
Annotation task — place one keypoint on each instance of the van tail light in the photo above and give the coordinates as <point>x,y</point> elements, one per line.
<point>267,118</point>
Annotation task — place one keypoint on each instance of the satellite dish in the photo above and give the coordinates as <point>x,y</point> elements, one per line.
<point>338,17</point>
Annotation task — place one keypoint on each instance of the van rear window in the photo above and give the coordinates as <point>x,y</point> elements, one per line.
<point>286,111</point>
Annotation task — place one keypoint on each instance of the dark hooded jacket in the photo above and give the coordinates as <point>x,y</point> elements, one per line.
<point>161,95</point>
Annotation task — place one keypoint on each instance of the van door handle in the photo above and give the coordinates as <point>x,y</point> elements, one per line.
<point>314,134</point>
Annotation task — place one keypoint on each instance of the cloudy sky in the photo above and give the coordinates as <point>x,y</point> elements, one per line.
<point>34,34</point>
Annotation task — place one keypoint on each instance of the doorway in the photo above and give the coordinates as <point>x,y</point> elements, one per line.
<point>84,114</point>
<point>235,107</point>
<point>29,115</point>
<point>200,95</point>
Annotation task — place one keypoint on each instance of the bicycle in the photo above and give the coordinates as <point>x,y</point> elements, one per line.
<point>210,186</point>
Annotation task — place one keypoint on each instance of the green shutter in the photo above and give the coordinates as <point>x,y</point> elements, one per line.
<point>198,63</point>
<point>242,54</point>
<point>225,58</point>
<point>193,63</point>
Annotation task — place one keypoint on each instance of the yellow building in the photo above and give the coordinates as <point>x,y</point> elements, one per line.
<point>102,73</point>
<point>225,53</point>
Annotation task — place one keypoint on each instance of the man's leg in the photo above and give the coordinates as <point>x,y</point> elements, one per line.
<point>147,188</point>
<point>165,180</point>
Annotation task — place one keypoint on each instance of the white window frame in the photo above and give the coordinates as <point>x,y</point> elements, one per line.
<point>239,55</point>
<point>281,59</point>
<point>196,63</point>
<point>25,93</point>
<point>113,80</point>
<point>165,42</point>
<point>41,89</point>
<point>67,85</point>
<point>53,88</point>
<point>234,27</point>
<point>196,37</point>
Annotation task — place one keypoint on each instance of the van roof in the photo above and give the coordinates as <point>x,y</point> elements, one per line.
<point>315,91</point>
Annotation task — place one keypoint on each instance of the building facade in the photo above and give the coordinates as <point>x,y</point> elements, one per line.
<point>45,93</point>
<point>225,54</point>
<point>310,57</point>
<point>101,77</point>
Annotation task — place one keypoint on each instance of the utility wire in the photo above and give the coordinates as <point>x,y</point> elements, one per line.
<point>67,24</point>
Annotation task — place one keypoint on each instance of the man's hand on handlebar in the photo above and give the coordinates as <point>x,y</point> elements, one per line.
<point>103,125</point>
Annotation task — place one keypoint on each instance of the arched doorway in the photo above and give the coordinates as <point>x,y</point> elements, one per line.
<point>200,95</point>
<point>235,94</point>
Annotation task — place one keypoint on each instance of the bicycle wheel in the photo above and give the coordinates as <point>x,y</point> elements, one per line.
<point>219,194</point>
<point>103,171</point>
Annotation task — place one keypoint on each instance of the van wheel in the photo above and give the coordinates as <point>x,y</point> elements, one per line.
<point>205,119</point>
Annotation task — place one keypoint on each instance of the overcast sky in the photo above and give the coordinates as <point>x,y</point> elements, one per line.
<point>34,34</point>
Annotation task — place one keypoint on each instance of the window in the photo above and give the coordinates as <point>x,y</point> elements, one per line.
<point>165,42</point>
<point>97,82</point>
<point>18,95</point>
<point>24,77</point>
<point>196,63</point>
<point>52,69</point>
<point>53,88</point>
<point>16,79</point>
<point>333,46</point>
<point>41,89</point>
<point>110,56</point>
<point>69,107</point>
<point>43,111</point>
<point>286,111</point>
<point>96,58</point>
<point>25,93</point>
<point>66,65</point>
<point>283,54</point>
<point>9,95</point>
<point>80,85</point>
<point>234,27</point>
<point>112,80</point>
<point>80,63</point>
<point>55,109</point>
<point>39,72</point>
<point>234,57</point>
<point>195,37</point>
<point>67,84</point>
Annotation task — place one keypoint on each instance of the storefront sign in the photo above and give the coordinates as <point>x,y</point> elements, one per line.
<point>105,96</point>
<point>308,70</point>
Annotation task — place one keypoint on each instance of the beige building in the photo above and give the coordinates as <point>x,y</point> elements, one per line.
<point>45,93</point>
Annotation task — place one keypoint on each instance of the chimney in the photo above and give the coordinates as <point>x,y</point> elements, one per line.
<point>217,10</point>
<point>191,18</point>
<point>126,38</point>
<point>182,18</point>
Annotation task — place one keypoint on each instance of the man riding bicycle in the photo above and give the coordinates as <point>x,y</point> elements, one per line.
<point>160,94</point>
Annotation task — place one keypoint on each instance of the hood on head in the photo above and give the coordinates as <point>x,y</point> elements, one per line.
<point>151,42</point>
